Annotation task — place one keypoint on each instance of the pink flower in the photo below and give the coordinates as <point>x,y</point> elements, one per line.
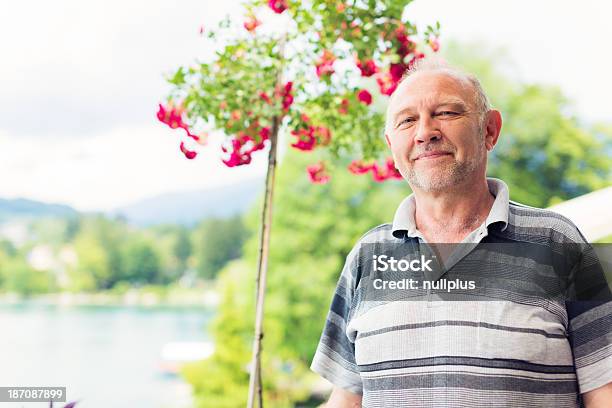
<point>265,97</point>
<point>386,83</point>
<point>286,96</point>
<point>324,65</point>
<point>237,157</point>
<point>367,68</point>
<point>364,97</point>
<point>251,23</point>
<point>359,167</point>
<point>306,140</point>
<point>434,43</point>
<point>317,173</point>
<point>417,56</point>
<point>278,5</point>
<point>385,172</point>
<point>397,71</point>
<point>190,154</point>
<point>380,173</point>
<point>173,117</point>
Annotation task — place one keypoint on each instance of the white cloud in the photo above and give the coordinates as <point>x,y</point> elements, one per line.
<point>113,168</point>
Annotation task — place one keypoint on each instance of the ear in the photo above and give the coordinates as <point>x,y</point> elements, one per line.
<point>493,126</point>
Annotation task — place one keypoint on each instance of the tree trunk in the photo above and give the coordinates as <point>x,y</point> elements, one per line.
<point>255,383</point>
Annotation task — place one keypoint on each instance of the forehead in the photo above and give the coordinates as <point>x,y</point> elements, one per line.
<point>423,89</point>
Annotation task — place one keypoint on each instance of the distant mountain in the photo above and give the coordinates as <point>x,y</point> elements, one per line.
<point>24,208</point>
<point>189,207</point>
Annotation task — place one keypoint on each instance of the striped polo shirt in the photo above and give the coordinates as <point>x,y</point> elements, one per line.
<point>512,345</point>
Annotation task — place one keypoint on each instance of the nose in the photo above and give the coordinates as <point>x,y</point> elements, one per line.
<point>427,130</point>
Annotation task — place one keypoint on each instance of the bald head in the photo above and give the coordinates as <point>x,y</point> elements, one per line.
<point>475,95</point>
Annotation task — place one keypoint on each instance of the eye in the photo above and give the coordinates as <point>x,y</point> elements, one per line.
<point>447,114</point>
<point>408,121</point>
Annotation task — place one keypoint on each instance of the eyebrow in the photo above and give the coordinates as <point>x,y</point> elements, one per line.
<point>448,101</point>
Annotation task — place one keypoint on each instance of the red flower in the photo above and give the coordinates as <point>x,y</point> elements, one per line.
<point>317,173</point>
<point>367,68</point>
<point>201,30</point>
<point>251,23</point>
<point>324,65</point>
<point>404,44</point>
<point>364,96</point>
<point>265,97</point>
<point>417,56</point>
<point>343,109</point>
<point>237,157</point>
<point>397,71</point>
<point>286,96</point>
<point>306,139</point>
<point>380,173</point>
<point>386,83</point>
<point>359,167</point>
<point>386,172</point>
<point>173,117</point>
<point>278,5</point>
<point>188,153</point>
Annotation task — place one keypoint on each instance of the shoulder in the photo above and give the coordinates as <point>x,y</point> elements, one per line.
<point>365,246</point>
<point>531,223</point>
<point>380,234</point>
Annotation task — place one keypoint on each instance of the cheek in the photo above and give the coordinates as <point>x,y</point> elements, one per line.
<point>401,143</point>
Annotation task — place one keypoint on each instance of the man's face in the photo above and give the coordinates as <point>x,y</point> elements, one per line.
<point>435,131</point>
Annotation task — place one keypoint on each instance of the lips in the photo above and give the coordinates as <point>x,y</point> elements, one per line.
<point>431,155</point>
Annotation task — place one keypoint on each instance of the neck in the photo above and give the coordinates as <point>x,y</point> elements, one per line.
<point>449,215</point>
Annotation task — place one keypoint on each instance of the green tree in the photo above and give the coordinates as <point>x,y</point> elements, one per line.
<point>19,277</point>
<point>140,262</point>
<point>219,241</point>
<point>98,245</point>
<point>182,247</point>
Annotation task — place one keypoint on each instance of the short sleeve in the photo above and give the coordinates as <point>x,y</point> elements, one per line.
<point>590,324</point>
<point>334,359</point>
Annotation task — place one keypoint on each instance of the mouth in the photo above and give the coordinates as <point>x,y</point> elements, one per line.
<point>431,155</point>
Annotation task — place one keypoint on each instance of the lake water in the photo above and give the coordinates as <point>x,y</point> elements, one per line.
<point>105,356</point>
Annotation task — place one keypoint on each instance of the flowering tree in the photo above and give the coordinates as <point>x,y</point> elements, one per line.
<point>314,71</point>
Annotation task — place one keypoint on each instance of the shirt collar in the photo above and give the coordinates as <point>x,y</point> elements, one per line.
<point>404,224</point>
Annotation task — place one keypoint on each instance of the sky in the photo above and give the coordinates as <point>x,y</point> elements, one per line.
<point>80,83</point>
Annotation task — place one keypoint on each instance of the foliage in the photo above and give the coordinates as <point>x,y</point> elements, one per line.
<point>218,242</point>
<point>109,254</point>
<point>19,277</point>
<point>316,73</point>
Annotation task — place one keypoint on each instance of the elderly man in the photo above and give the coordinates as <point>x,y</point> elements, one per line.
<point>503,353</point>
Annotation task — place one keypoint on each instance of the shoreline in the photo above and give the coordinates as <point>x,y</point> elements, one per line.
<point>146,297</point>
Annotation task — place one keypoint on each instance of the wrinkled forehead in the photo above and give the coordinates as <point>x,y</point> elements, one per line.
<point>425,89</point>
